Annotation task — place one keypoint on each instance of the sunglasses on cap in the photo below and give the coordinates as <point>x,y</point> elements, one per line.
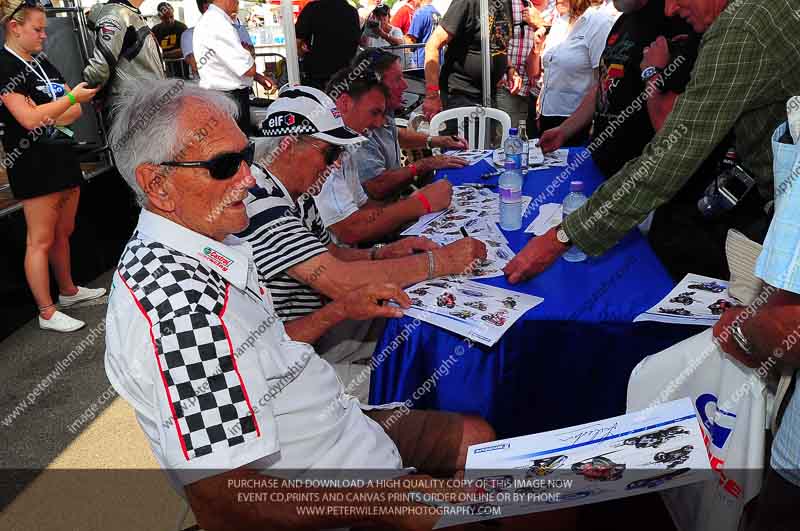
<point>221,167</point>
<point>24,3</point>
<point>331,152</point>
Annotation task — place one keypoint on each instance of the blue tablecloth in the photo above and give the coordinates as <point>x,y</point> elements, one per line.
<point>565,362</point>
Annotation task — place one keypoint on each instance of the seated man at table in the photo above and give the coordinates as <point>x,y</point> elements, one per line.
<point>378,159</point>
<point>228,396</point>
<point>344,207</point>
<point>294,253</point>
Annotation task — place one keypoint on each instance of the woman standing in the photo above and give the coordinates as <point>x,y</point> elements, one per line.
<point>570,60</point>
<point>43,170</point>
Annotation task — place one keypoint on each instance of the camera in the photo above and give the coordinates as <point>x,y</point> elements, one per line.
<point>372,24</point>
<point>726,191</point>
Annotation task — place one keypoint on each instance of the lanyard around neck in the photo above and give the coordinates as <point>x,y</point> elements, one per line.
<point>43,76</point>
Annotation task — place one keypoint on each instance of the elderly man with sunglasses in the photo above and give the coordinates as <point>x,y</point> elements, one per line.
<point>228,396</point>
<point>293,250</point>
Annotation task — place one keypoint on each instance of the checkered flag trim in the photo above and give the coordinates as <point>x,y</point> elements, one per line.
<point>183,302</point>
<point>300,129</point>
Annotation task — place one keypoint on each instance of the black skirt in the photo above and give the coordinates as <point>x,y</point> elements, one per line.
<point>43,168</point>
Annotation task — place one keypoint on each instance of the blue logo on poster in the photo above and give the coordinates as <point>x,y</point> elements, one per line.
<point>707,408</point>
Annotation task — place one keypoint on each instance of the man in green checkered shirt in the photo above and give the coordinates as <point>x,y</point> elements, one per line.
<point>748,67</point>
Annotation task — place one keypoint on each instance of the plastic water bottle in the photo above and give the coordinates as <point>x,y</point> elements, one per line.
<point>510,185</point>
<point>574,200</point>
<point>523,135</point>
<point>513,148</point>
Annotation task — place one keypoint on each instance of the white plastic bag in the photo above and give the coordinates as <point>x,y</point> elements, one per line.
<point>730,401</point>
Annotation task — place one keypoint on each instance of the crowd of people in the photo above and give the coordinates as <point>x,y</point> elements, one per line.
<point>289,246</point>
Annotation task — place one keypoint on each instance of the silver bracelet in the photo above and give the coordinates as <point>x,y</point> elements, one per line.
<point>431,264</point>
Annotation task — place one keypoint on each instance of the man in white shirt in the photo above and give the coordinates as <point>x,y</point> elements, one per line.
<point>222,63</point>
<point>348,213</point>
<point>227,395</point>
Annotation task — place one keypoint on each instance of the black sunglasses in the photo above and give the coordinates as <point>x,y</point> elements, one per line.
<point>221,167</point>
<point>331,152</point>
<point>24,3</point>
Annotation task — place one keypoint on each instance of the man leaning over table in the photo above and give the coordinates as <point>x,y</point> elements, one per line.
<point>346,210</point>
<point>378,159</point>
<point>747,67</point>
<point>226,394</point>
<point>769,337</point>
<point>294,253</point>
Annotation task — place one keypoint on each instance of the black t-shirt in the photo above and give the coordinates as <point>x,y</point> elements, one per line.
<point>461,72</point>
<point>16,77</point>
<point>621,83</point>
<point>169,37</point>
<point>331,29</point>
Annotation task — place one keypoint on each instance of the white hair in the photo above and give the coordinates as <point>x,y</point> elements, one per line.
<point>145,122</point>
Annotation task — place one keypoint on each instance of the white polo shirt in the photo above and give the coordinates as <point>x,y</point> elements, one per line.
<point>187,38</point>
<point>570,57</point>
<point>342,194</point>
<point>193,343</point>
<point>221,59</point>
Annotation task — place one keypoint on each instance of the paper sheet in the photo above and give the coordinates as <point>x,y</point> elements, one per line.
<point>477,210</point>
<point>641,452</point>
<point>696,300</point>
<point>550,215</point>
<point>477,311</point>
<point>471,155</point>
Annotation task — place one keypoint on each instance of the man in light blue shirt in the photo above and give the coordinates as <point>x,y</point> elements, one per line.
<point>769,333</point>
<point>425,19</point>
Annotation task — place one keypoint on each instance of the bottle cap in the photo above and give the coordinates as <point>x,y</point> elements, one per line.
<point>512,132</point>
<point>576,186</point>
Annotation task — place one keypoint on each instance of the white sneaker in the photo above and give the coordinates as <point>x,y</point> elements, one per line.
<point>60,322</point>
<point>84,294</point>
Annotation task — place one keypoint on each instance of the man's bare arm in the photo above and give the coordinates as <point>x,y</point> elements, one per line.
<point>371,223</point>
<point>389,182</point>
<point>773,326</point>
<point>334,277</point>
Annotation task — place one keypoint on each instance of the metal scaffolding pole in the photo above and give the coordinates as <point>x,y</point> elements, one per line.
<point>292,61</point>
<point>485,53</point>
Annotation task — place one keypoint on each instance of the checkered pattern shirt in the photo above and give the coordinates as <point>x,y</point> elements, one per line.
<point>194,345</point>
<point>520,46</point>
<point>748,67</point>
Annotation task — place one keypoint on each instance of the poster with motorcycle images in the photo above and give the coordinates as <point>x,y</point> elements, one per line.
<point>498,253</point>
<point>477,311</point>
<point>470,206</point>
<point>696,300</point>
<point>658,448</point>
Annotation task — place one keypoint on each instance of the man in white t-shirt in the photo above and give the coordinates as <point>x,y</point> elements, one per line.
<point>229,398</point>
<point>348,213</point>
<point>223,64</point>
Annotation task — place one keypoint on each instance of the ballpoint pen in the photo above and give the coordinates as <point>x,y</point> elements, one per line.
<point>464,232</point>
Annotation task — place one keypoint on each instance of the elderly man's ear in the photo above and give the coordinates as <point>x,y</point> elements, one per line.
<point>153,180</point>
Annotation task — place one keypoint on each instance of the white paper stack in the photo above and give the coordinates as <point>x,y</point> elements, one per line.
<point>477,311</point>
<point>655,449</point>
<point>696,300</point>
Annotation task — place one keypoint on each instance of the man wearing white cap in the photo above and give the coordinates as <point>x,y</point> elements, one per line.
<point>294,253</point>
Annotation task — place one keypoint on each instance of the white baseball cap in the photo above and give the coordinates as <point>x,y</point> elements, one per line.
<point>301,110</point>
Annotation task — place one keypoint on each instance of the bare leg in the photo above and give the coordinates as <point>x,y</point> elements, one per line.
<point>59,252</point>
<point>41,215</point>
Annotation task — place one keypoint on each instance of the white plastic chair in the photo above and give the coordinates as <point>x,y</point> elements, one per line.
<point>471,119</point>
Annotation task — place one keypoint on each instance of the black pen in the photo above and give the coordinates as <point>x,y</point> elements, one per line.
<point>464,232</point>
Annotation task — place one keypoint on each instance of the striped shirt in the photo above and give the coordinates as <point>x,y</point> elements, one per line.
<point>284,234</point>
<point>519,46</point>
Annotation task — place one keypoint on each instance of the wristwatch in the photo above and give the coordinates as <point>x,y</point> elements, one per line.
<point>741,340</point>
<point>429,142</point>
<point>650,71</point>
<point>561,236</point>
<point>373,253</point>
